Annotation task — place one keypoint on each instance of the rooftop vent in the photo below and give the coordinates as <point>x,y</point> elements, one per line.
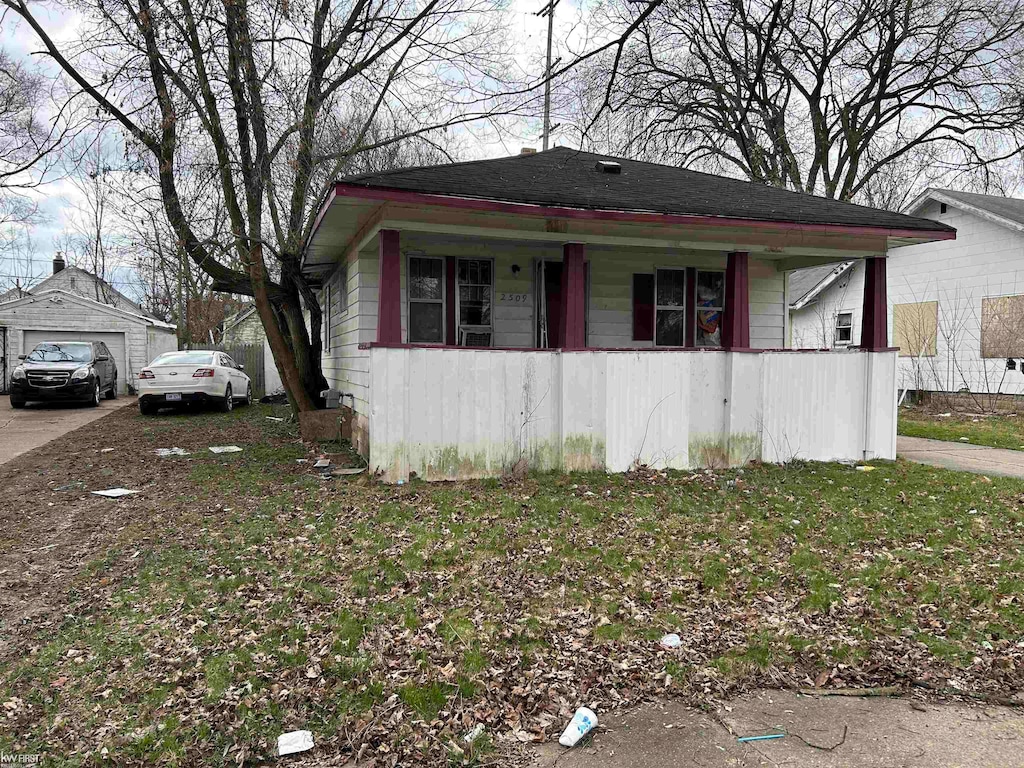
<point>608,166</point>
<point>528,151</point>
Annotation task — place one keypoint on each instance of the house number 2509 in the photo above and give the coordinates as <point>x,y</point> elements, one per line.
<point>512,298</point>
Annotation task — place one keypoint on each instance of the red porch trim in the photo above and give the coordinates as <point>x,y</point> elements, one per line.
<point>343,189</point>
<point>389,299</point>
<point>659,350</point>
<point>736,315</point>
<point>690,328</point>
<point>874,329</point>
<point>451,334</point>
<point>574,288</point>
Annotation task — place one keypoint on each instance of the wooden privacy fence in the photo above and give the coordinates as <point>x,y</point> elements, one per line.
<point>250,356</point>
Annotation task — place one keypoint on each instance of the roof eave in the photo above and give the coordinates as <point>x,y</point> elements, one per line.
<point>385,194</point>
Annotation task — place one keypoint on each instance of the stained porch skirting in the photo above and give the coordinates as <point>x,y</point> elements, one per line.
<point>449,413</point>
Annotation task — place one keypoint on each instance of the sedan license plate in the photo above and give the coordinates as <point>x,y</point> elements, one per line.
<point>172,396</point>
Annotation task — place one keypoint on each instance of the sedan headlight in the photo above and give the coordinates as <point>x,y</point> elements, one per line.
<point>81,373</point>
<point>19,374</point>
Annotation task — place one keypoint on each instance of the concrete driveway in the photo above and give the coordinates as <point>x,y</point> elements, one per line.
<point>38,423</point>
<point>965,457</point>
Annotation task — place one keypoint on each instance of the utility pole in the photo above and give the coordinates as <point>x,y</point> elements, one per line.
<point>549,11</point>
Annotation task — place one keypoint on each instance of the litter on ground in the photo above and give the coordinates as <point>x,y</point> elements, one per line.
<point>224,449</point>
<point>114,493</point>
<point>766,737</point>
<point>322,463</point>
<point>671,641</point>
<point>294,741</point>
<point>473,735</point>
<point>171,452</point>
<point>274,418</point>
<point>582,723</point>
<point>865,468</point>
<point>106,450</point>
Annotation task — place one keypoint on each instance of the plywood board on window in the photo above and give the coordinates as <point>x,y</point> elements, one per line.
<point>1002,326</point>
<point>915,328</point>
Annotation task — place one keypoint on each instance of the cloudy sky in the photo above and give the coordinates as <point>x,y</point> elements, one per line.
<point>58,198</point>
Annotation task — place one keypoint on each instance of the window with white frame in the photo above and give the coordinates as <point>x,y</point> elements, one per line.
<point>670,307</point>
<point>342,290</point>
<point>426,300</point>
<point>326,314</point>
<point>844,328</point>
<point>476,288</point>
<point>709,306</point>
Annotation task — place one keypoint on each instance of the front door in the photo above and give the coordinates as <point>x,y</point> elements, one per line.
<point>549,304</point>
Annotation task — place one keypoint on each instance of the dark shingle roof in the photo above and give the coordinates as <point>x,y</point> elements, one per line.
<point>1008,208</point>
<point>567,177</point>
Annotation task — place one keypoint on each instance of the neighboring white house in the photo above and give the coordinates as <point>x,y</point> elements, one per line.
<point>570,310</point>
<point>75,305</point>
<point>245,328</point>
<point>956,307</point>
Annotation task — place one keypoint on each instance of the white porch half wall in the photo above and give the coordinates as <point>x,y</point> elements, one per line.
<point>448,413</point>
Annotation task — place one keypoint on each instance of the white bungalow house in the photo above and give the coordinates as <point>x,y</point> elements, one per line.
<point>570,310</point>
<point>956,308</point>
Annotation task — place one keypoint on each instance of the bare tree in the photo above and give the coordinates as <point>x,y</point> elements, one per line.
<point>280,97</point>
<point>850,99</point>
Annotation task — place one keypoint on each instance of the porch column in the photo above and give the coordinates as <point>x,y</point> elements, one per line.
<point>389,297</point>
<point>574,286</point>
<point>736,315</point>
<point>874,327</point>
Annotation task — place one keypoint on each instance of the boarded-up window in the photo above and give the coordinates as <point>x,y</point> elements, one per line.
<point>915,328</point>
<point>1002,326</point>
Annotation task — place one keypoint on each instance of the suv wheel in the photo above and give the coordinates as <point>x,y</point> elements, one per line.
<point>17,403</point>
<point>95,395</point>
<point>146,409</point>
<point>112,392</point>
<point>229,401</point>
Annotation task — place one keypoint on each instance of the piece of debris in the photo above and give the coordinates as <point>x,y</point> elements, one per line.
<point>294,741</point>
<point>114,493</point>
<point>766,737</point>
<point>582,723</point>
<point>670,641</point>
<point>944,415</point>
<point>302,461</point>
<point>965,439</point>
<point>76,485</point>
<point>322,463</point>
<point>224,449</point>
<point>864,468</point>
<point>162,452</point>
<point>887,690</point>
<point>476,733</point>
<point>277,397</point>
<point>274,418</point>
<point>106,450</point>
<point>346,471</point>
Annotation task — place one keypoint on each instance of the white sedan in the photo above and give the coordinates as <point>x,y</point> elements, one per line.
<point>193,376</point>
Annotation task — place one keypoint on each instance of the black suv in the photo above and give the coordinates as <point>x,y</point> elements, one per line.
<point>65,371</point>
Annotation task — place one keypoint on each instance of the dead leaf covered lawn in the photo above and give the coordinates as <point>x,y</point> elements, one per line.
<point>242,596</point>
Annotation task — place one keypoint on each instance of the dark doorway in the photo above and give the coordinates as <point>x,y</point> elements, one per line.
<point>549,304</point>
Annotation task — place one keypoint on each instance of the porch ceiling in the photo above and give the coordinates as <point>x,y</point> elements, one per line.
<point>348,223</point>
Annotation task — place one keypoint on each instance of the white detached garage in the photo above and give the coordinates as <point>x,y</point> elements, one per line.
<point>56,315</point>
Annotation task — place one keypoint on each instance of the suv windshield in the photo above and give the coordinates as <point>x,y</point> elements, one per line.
<point>71,352</point>
<point>184,358</point>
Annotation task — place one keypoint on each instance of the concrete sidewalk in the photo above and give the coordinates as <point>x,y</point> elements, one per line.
<point>879,733</point>
<point>38,423</point>
<point>965,457</point>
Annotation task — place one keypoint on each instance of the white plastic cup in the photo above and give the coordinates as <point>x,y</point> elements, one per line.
<point>582,723</point>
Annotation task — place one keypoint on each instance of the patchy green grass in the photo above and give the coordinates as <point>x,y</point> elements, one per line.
<point>996,430</point>
<point>243,596</point>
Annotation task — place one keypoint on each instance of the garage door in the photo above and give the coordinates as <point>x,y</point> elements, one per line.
<point>114,342</point>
